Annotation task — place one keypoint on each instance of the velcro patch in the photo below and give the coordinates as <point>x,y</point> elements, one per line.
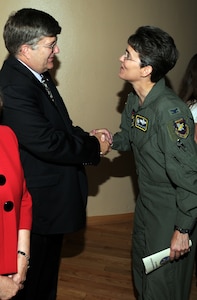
<point>141,123</point>
<point>181,128</point>
<point>174,110</point>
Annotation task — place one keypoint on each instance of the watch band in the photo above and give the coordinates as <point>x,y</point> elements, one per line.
<point>181,230</point>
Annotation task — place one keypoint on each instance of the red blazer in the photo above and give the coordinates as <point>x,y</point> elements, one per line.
<point>15,201</point>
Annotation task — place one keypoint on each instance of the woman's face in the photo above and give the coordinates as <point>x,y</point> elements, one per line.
<point>130,69</point>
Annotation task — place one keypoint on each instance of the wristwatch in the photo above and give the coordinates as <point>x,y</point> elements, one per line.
<point>181,230</point>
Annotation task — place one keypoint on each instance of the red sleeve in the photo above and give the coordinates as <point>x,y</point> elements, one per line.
<point>26,209</point>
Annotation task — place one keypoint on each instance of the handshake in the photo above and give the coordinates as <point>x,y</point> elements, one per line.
<point>105,139</point>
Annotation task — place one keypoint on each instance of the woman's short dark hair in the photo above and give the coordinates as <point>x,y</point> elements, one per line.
<point>28,26</point>
<point>156,48</point>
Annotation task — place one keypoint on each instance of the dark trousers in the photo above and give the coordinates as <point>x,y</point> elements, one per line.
<point>42,276</point>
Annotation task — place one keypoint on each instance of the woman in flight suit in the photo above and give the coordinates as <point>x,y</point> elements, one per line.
<point>158,126</point>
<point>15,216</point>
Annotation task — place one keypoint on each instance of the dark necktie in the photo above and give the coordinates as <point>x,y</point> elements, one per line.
<point>44,82</point>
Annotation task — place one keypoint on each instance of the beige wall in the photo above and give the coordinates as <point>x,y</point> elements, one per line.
<point>94,35</point>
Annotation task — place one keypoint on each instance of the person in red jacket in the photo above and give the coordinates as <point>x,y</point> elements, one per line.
<point>15,216</point>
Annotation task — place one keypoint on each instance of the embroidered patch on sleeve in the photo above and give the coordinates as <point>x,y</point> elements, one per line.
<point>181,128</point>
<point>174,110</point>
<point>141,123</point>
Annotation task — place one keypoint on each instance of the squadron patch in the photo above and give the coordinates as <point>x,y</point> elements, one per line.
<point>181,128</point>
<point>141,123</point>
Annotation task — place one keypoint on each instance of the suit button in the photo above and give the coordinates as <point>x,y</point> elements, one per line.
<point>2,179</point>
<point>8,206</point>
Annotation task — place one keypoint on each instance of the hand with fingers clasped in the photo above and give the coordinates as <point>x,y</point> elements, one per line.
<point>20,277</point>
<point>105,139</point>
<point>8,288</point>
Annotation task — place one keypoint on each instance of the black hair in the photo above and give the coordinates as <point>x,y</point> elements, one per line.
<point>156,48</point>
<point>188,88</point>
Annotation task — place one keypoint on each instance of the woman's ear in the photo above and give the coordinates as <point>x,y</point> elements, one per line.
<point>146,71</point>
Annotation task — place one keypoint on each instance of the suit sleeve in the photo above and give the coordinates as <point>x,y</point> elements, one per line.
<point>27,111</point>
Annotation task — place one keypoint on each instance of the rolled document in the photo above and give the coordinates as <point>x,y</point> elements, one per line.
<point>156,260</point>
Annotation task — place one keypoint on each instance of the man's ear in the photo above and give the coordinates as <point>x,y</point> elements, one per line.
<point>146,71</point>
<point>24,51</point>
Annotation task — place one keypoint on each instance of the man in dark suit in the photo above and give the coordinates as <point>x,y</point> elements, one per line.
<point>53,151</point>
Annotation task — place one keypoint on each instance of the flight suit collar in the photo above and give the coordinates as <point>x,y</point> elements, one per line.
<point>154,93</point>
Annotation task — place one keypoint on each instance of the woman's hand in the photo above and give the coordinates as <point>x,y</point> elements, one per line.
<point>20,277</point>
<point>8,288</point>
<point>179,245</point>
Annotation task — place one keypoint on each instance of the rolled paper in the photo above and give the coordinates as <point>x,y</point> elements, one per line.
<point>157,260</point>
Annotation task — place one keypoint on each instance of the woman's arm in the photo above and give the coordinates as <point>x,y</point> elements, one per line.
<point>23,256</point>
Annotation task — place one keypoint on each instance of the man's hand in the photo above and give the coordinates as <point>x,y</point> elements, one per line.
<point>104,144</point>
<point>106,134</point>
<point>105,139</point>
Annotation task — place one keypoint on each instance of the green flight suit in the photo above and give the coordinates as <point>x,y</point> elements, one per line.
<point>161,134</point>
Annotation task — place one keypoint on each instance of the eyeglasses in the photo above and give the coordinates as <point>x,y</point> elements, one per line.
<point>127,56</point>
<point>49,46</point>
<point>52,46</point>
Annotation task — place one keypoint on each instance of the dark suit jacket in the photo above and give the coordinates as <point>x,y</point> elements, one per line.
<point>53,151</point>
